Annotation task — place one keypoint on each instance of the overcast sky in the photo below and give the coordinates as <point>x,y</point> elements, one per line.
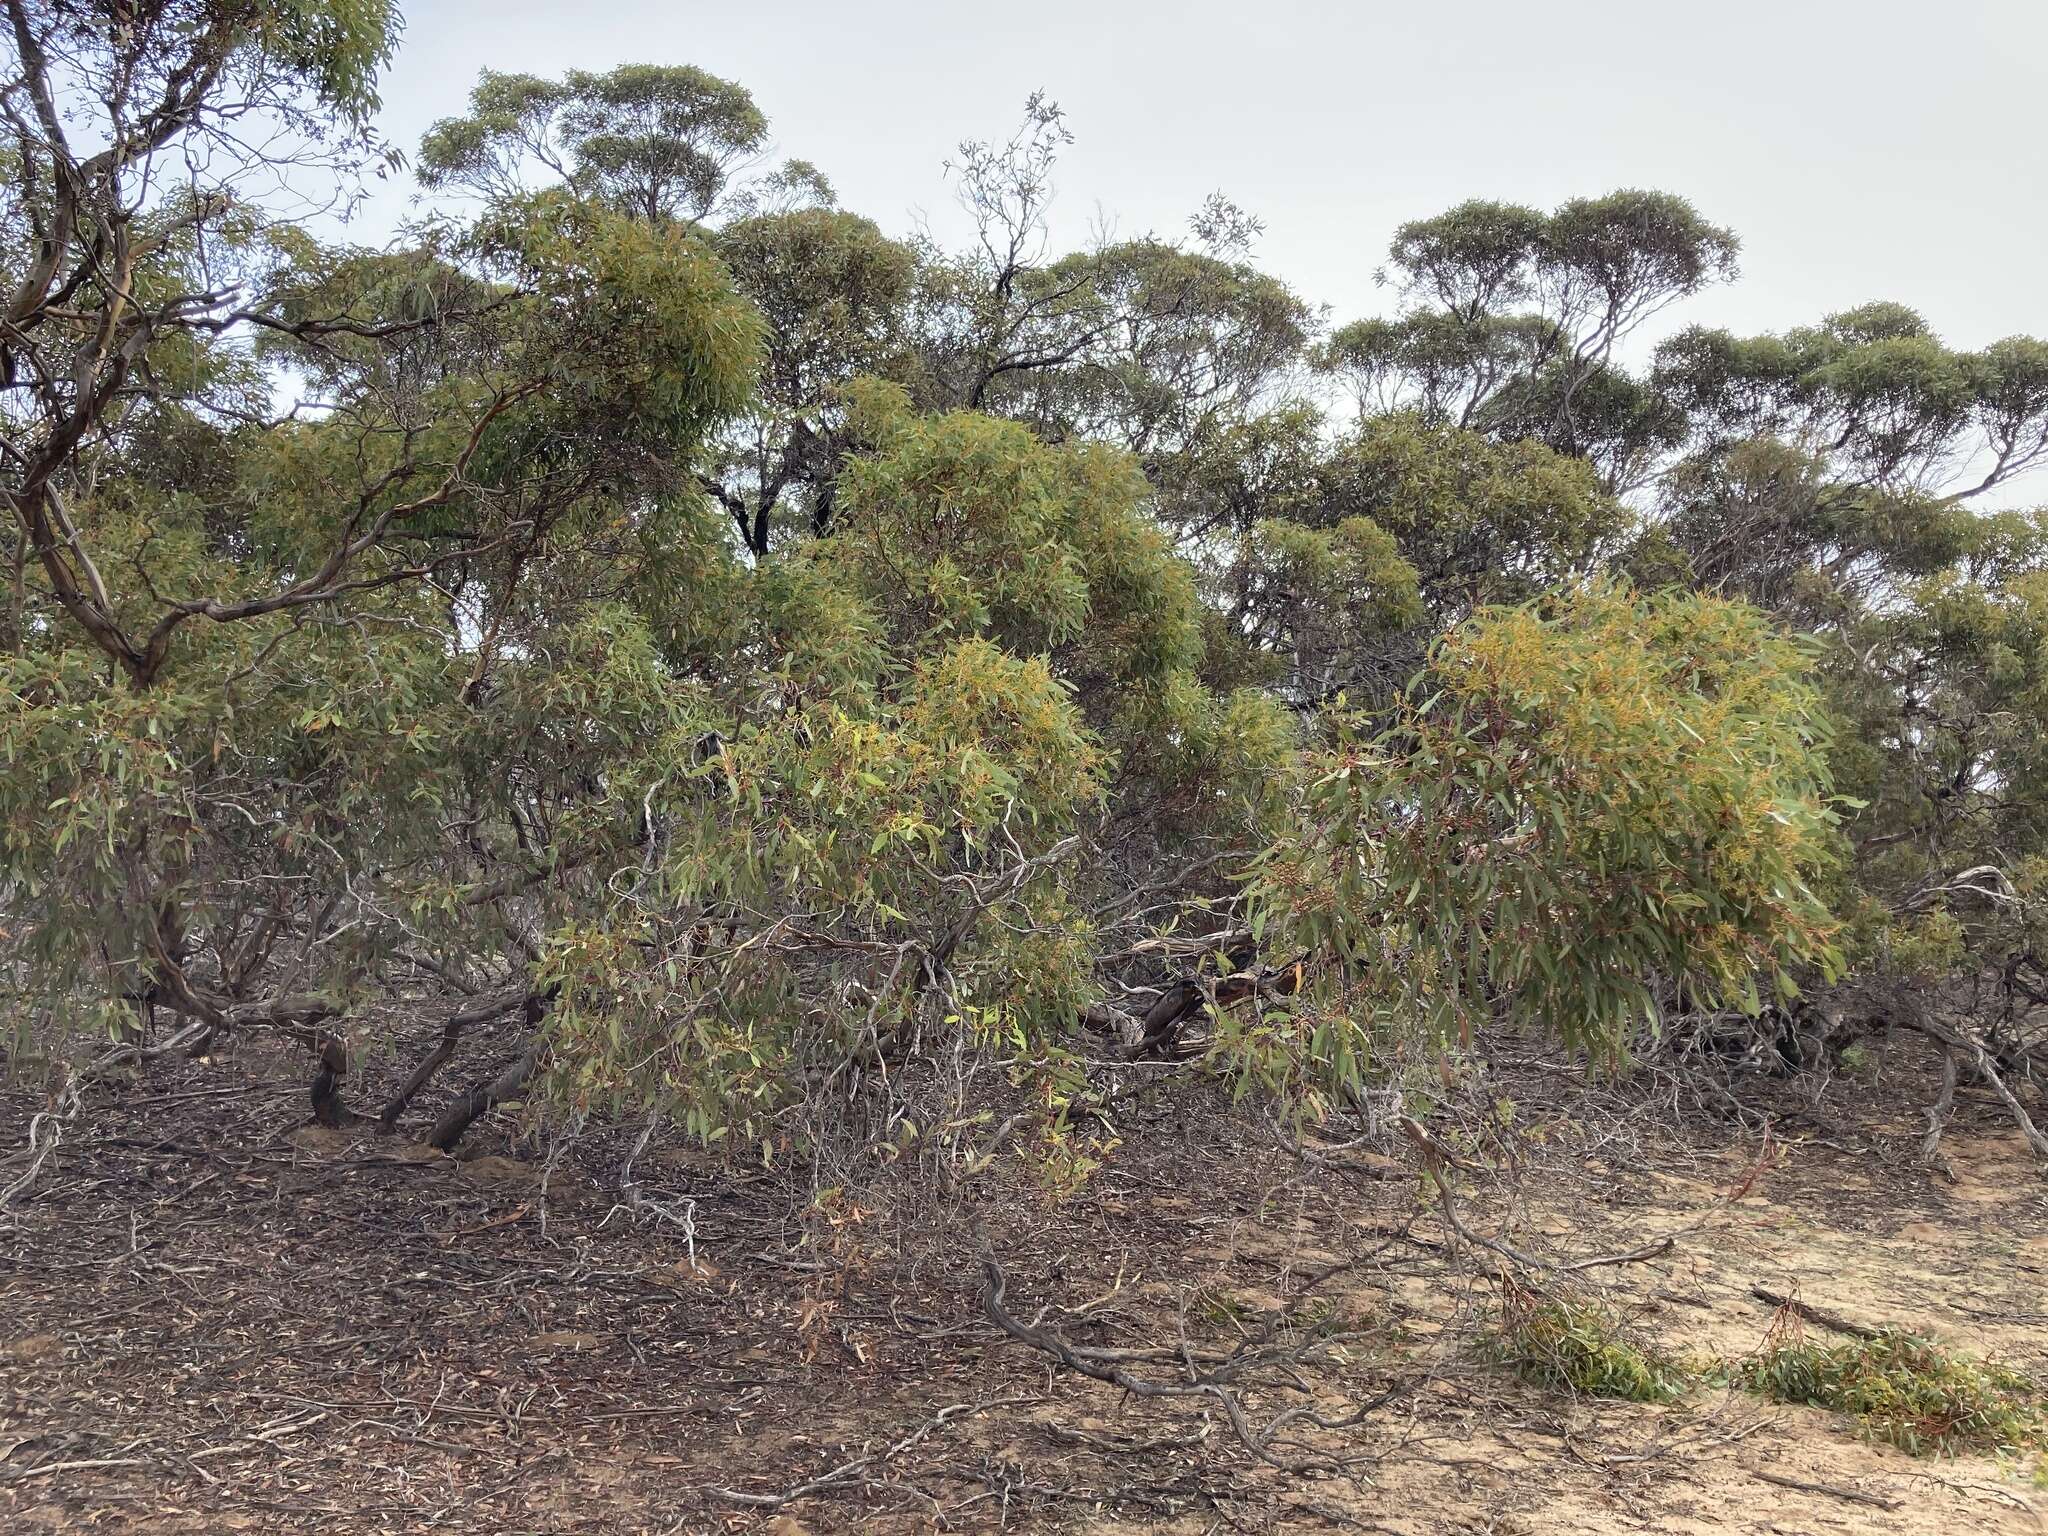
<point>1862,149</point>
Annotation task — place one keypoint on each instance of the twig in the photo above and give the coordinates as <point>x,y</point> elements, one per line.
<point>45,1130</point>
<point>1853,1495</point>
<point>1829,1320</point>
<point>681,1214</point>
<point>845,1470</point>
<point>52,1467</point>
<point>1435,1154</point>
<point>1937,1117</point>
<point>1655,1250</point>
<point>1108,1365</point>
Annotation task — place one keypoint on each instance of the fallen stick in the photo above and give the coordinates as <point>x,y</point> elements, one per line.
<point>1111,1366</point>
<point>1853,1495</point>
<point>847,1469</point>
<point>49,1468</point>
<point>1829,1320</point>
<point>1435,1154</point>
<point>1655,1250</point>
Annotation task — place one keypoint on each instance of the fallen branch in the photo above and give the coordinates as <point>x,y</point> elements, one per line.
<point>45,1130</point>
<point>1655,1250</point>
<point>2034,1138</point>
<point>1112,1366</point>
<point>1435,1155</point>
<point>846,1470</point>
<point>681,1214</point>
<point>51,1468</point>
<point>1937,1117</point>
<point>1853,1495</point>
<point>481,1011</point>
<point>1973,1052</point>
<point>1831,1321</point>
<point>185,1039</point>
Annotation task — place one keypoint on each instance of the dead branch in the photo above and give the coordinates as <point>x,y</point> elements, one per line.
<point>1655,1250</point>
<point>1832,1321</point>
<point>1215,1385</point>
<point>680,1214</point>
<point>478,1012</point>
<point>1938,1115</point>
<point>1853,1495</point>
<point>1435,1154</point>
<point>1972,1051</point>
<point>45,1131</point>
<point>846,1470</point>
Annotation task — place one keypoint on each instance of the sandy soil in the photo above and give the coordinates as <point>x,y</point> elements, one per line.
<point>216,1319</point>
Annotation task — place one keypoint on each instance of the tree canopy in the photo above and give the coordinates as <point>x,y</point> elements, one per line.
<point>723,660</point>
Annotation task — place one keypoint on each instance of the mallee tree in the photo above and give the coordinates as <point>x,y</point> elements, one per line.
<point>654,644</point>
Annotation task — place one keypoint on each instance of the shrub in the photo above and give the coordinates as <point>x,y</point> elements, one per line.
<point>1579,1347</point>
<point>1903,1389</point>
<point>1600,794</point>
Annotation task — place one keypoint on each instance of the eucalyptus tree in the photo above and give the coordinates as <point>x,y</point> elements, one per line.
<point>1833,474</point>
<point>673,145</point>
<point>1591,812</point>
<point>702,656</point>
<point>835,297</point>
<point>274,751</point>
<point>669,144</point>
<point>1512,318</point>
<point>1873,392</point>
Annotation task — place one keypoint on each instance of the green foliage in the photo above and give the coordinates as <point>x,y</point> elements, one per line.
<point>337,47</point>
<point>834,296</point>
<point>1872,389</point>
<point>1577,1347</point>
<point>765,658</point>
<point>1580,796</point>
<point>637,328</point>
<point>1905,1390</point>
<point>1482,522</point>
<point>1323,601</point>
<point>1514,316</point>
<point>905,756</point>
<point>653,142</point>
<point>1179,346</point>
<point>1941,693</point>
<point>966,524</point>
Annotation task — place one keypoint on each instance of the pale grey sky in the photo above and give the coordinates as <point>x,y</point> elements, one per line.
<point>1862,149</point>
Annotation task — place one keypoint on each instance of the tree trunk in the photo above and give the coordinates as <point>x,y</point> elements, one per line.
<point>487,1095</point>
<point>484,1097</point>
<point>327,1106</point>
<point>451,1032</point>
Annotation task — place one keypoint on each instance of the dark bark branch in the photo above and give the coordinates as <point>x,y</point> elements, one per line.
<point>485,1096</point>
<point>451,1037</point>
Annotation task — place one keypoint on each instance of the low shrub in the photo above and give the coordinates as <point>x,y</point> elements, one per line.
<point>1903,1389</point>
<point>1581,1348</point>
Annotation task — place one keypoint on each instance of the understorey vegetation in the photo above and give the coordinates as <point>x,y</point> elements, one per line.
<point>860,703</point>
<point>1902,1389</point>
<point>1915,1393</point>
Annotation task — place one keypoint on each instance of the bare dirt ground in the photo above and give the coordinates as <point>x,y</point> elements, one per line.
<point>216,1318</point>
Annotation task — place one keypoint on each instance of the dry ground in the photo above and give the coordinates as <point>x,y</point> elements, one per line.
<point>215,1318</point>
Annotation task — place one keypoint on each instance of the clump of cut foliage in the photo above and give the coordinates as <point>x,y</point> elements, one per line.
<point>1905,1390</point>
<point>1579,1347</point>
